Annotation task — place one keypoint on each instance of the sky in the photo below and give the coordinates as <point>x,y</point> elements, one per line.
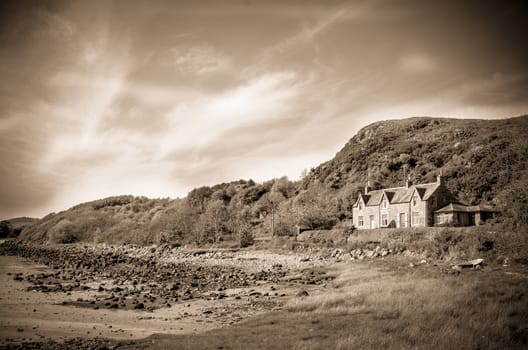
<point>154,98</point>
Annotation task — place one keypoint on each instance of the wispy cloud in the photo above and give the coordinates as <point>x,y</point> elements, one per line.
<point>199,121</point>
<point>201,59</point>
<point>304,36</point>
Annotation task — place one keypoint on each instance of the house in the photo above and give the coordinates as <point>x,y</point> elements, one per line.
<point>406,206</point>
<point>458,214</point>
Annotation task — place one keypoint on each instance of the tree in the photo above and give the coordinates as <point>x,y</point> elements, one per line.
<point>5,229</point>
<point>269,204</point>
<point>198,197</point>
<point>174,224</point>
<point>316,208</point>
<point>239,223</point>
<point>211,224</point>
<point>283,186</point>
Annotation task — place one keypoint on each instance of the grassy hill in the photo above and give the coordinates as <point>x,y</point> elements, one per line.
<point>13,227</point>
<point>483,161</point>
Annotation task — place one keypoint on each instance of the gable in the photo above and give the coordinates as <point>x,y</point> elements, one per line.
<point>384,200</point>
<point>360,200</point>
<point>428,190</point>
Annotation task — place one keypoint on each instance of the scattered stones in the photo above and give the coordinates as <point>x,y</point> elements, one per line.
<point>140,279</point>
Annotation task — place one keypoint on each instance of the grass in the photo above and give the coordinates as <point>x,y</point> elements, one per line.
<point>387,304</point>
<point>408,311</point>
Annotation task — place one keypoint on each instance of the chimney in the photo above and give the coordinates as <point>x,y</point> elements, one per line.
<point>439,178</point>
<point>408,181</point>
<point>367,188</point>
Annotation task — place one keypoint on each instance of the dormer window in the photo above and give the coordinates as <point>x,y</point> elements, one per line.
<point>414,201</point>
<point>360,206</point>
<point>384,204</point>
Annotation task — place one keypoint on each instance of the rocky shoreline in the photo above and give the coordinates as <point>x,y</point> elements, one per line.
<point>145,278</point>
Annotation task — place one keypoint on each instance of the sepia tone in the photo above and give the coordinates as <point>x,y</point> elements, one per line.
<point>263,174</point>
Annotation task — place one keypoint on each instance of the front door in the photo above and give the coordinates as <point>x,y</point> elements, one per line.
<point>403,220</point>
<point>372,222</point>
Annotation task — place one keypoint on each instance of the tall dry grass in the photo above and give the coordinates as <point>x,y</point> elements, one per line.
<point>476,310</point>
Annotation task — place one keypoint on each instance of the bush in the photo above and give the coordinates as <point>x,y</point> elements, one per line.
<point>285,229</point>
<point>246,239</point>
<point>5,229</point>
<point>63,232</point>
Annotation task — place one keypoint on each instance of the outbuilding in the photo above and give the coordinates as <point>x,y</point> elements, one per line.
<point>458,214</point>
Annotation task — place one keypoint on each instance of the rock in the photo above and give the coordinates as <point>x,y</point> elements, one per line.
<point>139,306</point>
<point>302,293</point>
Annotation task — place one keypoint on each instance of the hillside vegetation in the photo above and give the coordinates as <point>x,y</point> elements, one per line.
<point>13,227</point>
<point>483,161</point>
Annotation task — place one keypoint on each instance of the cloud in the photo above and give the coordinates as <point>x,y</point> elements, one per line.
<point>201,60</point>
<point>25,187</point>
<point>110,98</point>
<point>324,21</point>
<point>417,63</point>
<point>200,121</point>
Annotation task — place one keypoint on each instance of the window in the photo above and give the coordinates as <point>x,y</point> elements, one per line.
<point>360,221</point>
<point>384,204</point>
<point>414,201</point>
<point>384,220</point>
<point>360,206</point>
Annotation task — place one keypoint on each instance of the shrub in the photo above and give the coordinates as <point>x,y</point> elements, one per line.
<point>283,228</point>
<point>63,232</point>
<point>5,229</point>
<point>246,238</point>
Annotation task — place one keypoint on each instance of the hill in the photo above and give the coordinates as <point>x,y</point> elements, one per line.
<point>13,227</point>
<point>483,161</point>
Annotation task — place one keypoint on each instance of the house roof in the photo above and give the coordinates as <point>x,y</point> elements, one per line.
<point>428,189</point>
<point>404,194</point>
<point>375,197</point>
<point>363,196</point>
<point>401,194</point>
<point>451,207</point>
<point>458,207</point>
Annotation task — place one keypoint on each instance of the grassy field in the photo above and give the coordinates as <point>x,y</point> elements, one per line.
<point>387,304</point>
